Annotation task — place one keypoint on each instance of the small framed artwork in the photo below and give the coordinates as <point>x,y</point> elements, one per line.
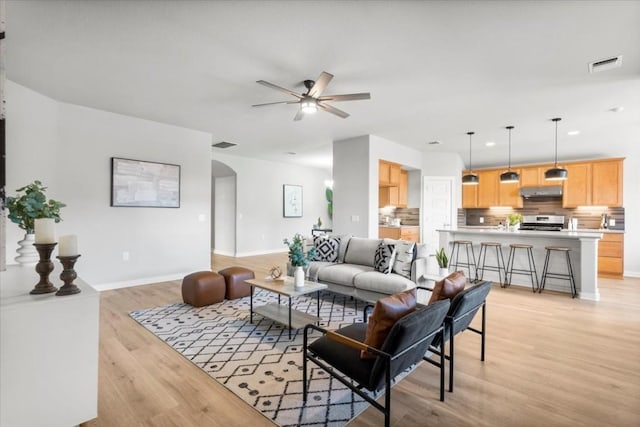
<point>292,200</point>
<point>136,183</point>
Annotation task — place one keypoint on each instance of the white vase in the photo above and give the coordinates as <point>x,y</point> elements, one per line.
<point>27,253</point>
<point>298,277</point>
<point>444,271</point>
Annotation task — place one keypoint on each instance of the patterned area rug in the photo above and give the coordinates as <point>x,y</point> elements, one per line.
<point>258,362</point>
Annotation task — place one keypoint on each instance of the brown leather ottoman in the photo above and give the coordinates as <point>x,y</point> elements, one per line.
<point>234,278</point>
<point>203,288</point>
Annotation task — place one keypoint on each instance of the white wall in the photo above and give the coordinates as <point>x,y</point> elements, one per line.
<point>163,243</point>
<point>632,210</point>
<point>260,225</point>
<point>351,182</point>
<point>415,189</point>
<point>225,215</point>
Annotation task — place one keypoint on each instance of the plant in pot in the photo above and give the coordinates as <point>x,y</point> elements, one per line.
<point>298,258</point>
<point>28,205</point>
<point>443,262</point>
<point>514,220</point>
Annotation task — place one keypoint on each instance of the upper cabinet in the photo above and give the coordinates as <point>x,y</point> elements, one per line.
<point>403,189</point>
<point>388,174</point>
<point>589,183</point>
<point>593,183</point>
<point>606,183</point>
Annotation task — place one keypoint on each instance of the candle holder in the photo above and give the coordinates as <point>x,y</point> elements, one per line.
<point>68,275</point>
<point>44,268</point>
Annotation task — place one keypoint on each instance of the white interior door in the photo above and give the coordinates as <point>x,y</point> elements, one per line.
<point>437,209</point>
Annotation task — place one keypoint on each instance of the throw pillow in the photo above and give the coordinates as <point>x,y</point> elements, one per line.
<point>385,255</point>
<point>327,248</point>
<point>386,313</point>
<point>404,258</point>
<point>448,287</point>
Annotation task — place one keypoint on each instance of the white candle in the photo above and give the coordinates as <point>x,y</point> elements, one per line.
<point>45,230</point>
<point>68,245</point>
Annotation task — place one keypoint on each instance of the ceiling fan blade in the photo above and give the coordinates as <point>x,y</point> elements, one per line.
<point>281,89</point>
<point>349,97</point>
<point>274,103</point>
<point>320,85</point>
<point>298,116</point>
<point>333,110</point>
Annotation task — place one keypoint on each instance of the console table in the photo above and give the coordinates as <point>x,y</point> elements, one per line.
<point>48,352</point>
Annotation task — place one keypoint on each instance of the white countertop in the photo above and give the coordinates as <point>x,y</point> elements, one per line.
<point>398,226</point>
<point>564,234</point>
<point>579,230</point>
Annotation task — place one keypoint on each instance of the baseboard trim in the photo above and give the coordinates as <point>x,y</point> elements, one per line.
<point>250,253</point>
<point>141,281</point>
<point>631,274</point>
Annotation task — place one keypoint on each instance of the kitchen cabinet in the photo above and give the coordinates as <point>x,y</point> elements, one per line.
<point>533,176</point>
<point>388,196</point>
<point>606,183</point>
<point>411,234</point>
<point>509,193</point>
<point>469,195</point>
<point>403,189</point>
<point>611,255</point>
<point>388,174</point>
<point>488,191</point>
<point>576,189</point>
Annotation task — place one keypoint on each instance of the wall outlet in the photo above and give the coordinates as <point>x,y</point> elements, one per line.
<point>202,217</point>
<point>125,256</point>
<point>612,222</point>
<point>355,218</point>
<point>481,220</point>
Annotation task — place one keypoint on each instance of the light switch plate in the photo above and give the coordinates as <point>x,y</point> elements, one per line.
<point>612,222</point>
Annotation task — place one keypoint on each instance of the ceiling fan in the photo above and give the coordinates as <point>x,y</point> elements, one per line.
<point>312,100</point>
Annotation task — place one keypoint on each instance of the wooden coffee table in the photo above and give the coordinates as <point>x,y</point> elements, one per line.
<point>280,313</point>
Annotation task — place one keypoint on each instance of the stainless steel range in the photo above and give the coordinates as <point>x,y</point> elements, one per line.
<point>542,222</point>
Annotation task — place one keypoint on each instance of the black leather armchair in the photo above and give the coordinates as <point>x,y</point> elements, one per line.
<point>406,345</point>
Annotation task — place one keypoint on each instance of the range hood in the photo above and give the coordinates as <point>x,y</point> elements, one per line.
<point>542,191</point>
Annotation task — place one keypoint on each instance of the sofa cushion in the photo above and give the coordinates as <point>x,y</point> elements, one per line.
<point>315,267</point>
<point>342,274</point>
<point>448,287</point>
<point>361,251</point>
<point>385,255</point>
<point>386,313</point>
<point>326,248</point>
<point>382,283</point>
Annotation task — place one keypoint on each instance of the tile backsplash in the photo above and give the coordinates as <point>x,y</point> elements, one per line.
<point>587,217</point>
<point>408,216</point>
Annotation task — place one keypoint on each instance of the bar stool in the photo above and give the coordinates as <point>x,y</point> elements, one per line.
<point>523,271</point>
<point>564,276</point>
<point>482,261</point>
<point>456,263</point>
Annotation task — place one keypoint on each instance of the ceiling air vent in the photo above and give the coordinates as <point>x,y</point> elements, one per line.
<point>605,64</point>
<point>224,144</point>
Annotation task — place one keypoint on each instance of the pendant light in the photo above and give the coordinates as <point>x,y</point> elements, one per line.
<point>509,176</point>
<point>556,173</point>
<point>470,178</point>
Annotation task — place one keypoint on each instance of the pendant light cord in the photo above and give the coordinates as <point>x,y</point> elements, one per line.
<point>470,161</point>
<point>509,127</point>
<point>556,160</point>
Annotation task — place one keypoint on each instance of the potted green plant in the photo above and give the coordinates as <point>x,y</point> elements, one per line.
<point>28,205</point>
<point>514,220</point>
<point>298,258</point>
<point>443,261</point>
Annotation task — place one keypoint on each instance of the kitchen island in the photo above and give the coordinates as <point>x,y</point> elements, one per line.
<point>584,255</point>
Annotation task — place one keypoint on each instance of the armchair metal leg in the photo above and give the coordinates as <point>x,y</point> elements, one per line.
<point>482,339</point>
<point>451,351</point>
<point>304,367</point>
<point>387,395</point>
<point>442,345</point>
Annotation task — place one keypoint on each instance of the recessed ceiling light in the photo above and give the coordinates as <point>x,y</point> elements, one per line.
<point>291,153</point>
<point>573,132</point>
<point>616,109</point>
<point>490,143</point>
<point>434,142</point>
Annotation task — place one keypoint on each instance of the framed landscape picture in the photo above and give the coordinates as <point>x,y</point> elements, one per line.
<point>292,200</point>
<point>136,183</point>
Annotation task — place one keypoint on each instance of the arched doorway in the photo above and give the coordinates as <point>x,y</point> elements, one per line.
<point>223,209</point>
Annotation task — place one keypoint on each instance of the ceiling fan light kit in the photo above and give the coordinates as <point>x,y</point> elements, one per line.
<point>509,176</point>
<point>470,178</point>
<point>556,173</point>
<point>312,100</point>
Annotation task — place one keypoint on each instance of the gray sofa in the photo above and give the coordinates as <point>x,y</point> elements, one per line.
<point>354,273</point>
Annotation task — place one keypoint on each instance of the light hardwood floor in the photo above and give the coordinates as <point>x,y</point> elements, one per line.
<point>551,361</point>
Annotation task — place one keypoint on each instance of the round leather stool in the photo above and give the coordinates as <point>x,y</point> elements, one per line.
<point>565,276</point>
<point>234,278</point>
<point>531,271</point>
<point>203,288</point>
<point>456,263</point>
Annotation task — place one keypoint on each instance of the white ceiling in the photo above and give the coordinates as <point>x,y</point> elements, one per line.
<point>435,70</point>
